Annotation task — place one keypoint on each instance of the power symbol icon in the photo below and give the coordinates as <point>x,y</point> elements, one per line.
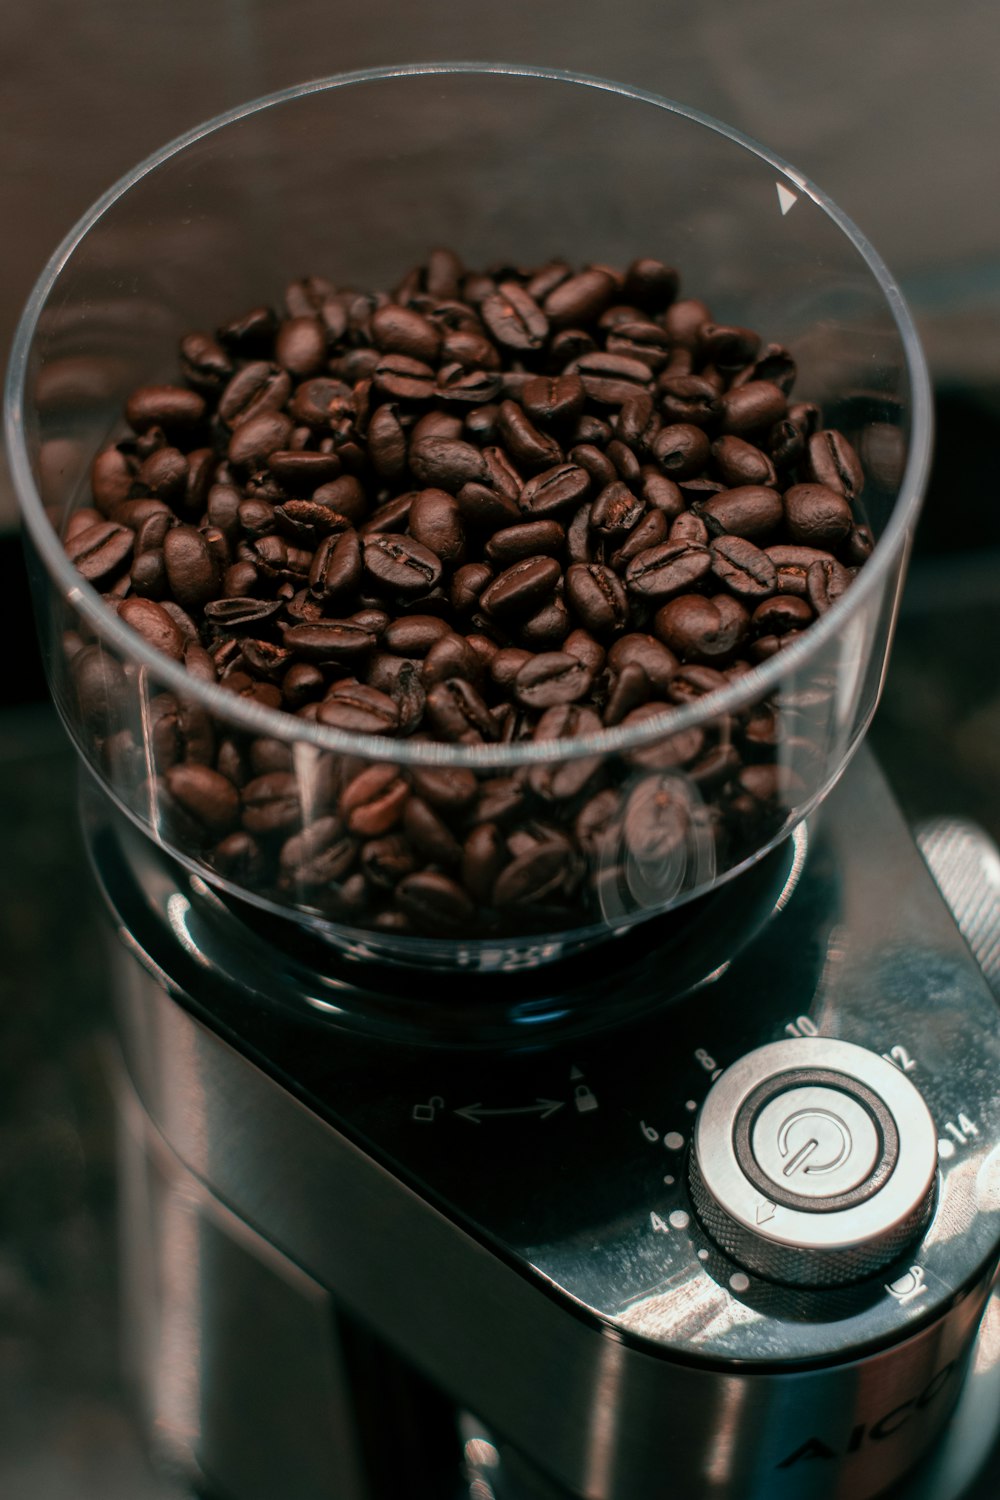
<point>813,1141</point>
<point>816,1141</point>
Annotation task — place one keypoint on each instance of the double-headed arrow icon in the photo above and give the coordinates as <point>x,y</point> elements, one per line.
<point>541,1107</point>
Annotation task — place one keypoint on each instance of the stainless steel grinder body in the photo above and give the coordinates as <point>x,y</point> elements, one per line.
<point>541,1234</point>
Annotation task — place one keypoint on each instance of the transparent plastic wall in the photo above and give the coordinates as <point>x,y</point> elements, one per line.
<point>533,840</point>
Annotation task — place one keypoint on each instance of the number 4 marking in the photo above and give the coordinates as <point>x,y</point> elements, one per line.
<point>658,1224</point>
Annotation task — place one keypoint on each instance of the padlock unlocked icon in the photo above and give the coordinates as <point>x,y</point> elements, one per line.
<point>583,1098</point>
<point>426,1112</point>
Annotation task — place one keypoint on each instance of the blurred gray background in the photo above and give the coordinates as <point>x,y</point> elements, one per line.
<point>890,107</point>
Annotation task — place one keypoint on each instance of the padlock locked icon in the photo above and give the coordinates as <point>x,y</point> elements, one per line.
<point>583,1098</point>
<point>426,1112</point>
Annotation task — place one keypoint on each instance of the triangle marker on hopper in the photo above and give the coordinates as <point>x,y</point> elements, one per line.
<point>786,197</point>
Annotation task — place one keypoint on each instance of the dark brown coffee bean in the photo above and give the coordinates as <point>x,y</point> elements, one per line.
<point>780,614</point>
<point>681,449</point>
<point>401,564</point>
<point>522,589</point>
<point>514,318</point>
<point>527,445</point>
<point>738,462</point>
<point>482,506</point>
<point>554,401</point>
<point>860,545</point>
<point>387,442</point>
<point>670,568</point>
<point>551,678</point>
<point>597,598</point>
<point>534,876</point>
<point>403,378</point>
<point>358,709</point>
<point>658,664</point>
<point>414,635</point>
<point>594,462</point>
<point>400,330</point>
<point>555,491</point>
<point>446,462</point>
<point>204,363</point>
<point>323,641</point>
<point>301,684</point>
<point>816,516</point>
<point>317,856</point>
<point>649,532</point>
<point>386,861</point>
<point>531,539</point>
<point>255,389</point>
<point>451,656</point>
<point>191,568</point>
<point>752,408</point>
<point>484,855</point>
<point>745,569</point>
<point>615,511</point>
<point>100,551</point>
<point>470,349</point>
<point>629,690</point>
<point>656,822</point>
<point>239,858</point>
<point>690,400</point>
<point>436,522</point>
<point>752,511</point>
<point>300,346</point>
<point>322,404</point>
<point>703,630</point>
<point>256,438</point>
<point>172,407</point>
<point>650,284</point>
<point>271,803</point>
<point>580,298</point>
<point>205,796</point>
<point>373,801</point>
<point>429,834</point>
<point>449,788</point>
<point>833,462</point>
<point>164,474</point>
<point>110,479</point>
<point>467,585</point>
<point>154,625</point>
<point>457,712</point>
<point>435,902</point>
<point>547,628</point>
<point>825,582</point>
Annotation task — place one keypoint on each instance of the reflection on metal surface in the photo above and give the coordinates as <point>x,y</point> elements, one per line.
<point>177,1394</point>
<point>728,1417</point>
<point>603,1418</point>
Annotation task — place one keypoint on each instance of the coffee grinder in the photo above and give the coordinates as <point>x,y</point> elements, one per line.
<point>698,1196</point>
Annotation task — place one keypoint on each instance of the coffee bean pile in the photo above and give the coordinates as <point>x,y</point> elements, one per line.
<point>487,507</point>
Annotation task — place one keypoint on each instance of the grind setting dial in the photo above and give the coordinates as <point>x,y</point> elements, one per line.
<point>813,1162</point>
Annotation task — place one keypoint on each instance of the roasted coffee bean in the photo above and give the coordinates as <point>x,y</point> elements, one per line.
<point>470,349</point>
<point>745,569</point>
<point>752,408</point>
<point>738,462</point>
<point>435,902</point>
<point>110,479</point>
<point>451,656</point>
<point>781,613</point>
<point>656,823</point>
<point>358,709</point>
<point>860,545</point>
<point>300,346</point>
<point>414,635</point>
<point>597,598</point>
<point>164,474</point>
<point>522,589</point>
<point>615,511</point>
<point>191,569</point>
<point>429,834</point>
<point>670,568</point>
<point>239,858</point>
<point>825,582</point>
<point>435,521</point>
<point>649,532</point>
<point>205,796</point>
<point>554,401</point>
<point>255,389</point>
<point>580,298</point>
<point>154,625</point>
<point>403,378</point>
<point>484,855</point>
<point>681,450</point>
<point>271,803</point>
<point>100,551</point>
<point>550,678</point>
<point>726,346</point>
<point>400,330</point>
<point>446,462</point>
<point>636,649</point>
<point>204,362</point>
<point>650,284</point>
<point>527,444</point>
<point>831,461</point>
<point>547,628</point>
<point>256,438</point>
<point>594,462</point>
<point>400,564</point>
<point>630,688</point>
<point>534,876</point>
<point>690,400</point>
<point>317,856</point>
<point>556,491</point>
<point>386,861</point>
<point>323,641</point>
<point>467,584</point>
<point>172,407</point>
<point>530,539</point>
<point>703,630</point>
<point>793,564</point>
<point>752,511</point>
<point>372,802</point>
<point>816,516</point>
<point>458,713</point>
<point>514,318</point>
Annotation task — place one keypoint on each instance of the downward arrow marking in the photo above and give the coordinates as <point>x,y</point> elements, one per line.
<point>786,197</point>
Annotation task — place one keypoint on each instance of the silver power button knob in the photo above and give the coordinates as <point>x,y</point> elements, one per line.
<point>814,1162</point>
